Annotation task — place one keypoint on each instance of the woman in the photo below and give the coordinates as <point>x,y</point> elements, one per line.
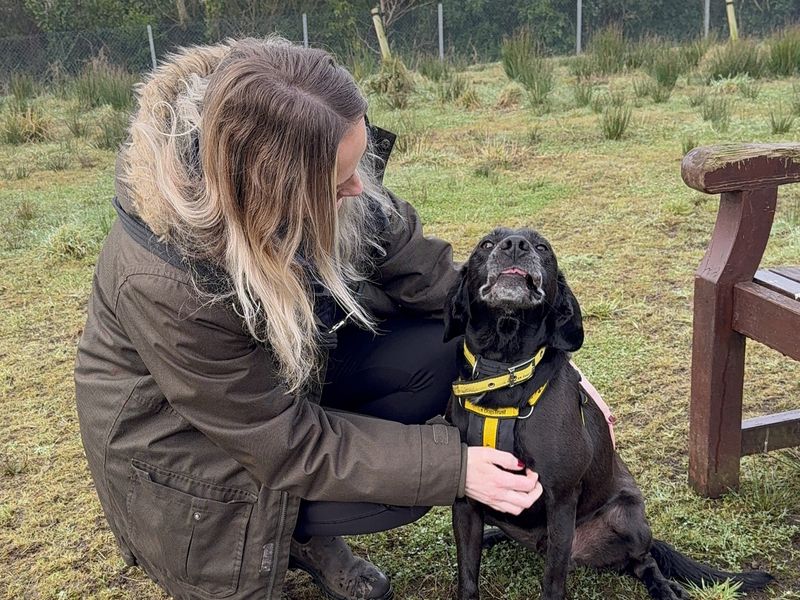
<point>229,374</point>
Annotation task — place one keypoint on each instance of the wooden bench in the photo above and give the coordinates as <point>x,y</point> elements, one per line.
<point>732,302</point>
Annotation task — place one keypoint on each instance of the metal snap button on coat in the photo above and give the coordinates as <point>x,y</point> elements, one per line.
<point>196,516</point>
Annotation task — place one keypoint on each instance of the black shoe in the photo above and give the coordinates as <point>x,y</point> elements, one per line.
<point>337,572</point>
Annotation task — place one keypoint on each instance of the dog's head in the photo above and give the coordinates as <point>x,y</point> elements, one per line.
<point>513,275</point>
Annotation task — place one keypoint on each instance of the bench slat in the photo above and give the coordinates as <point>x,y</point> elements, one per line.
<point>775,281</point>
<point>767,317</point>
<point>788,272</point>
<point>771,432</point>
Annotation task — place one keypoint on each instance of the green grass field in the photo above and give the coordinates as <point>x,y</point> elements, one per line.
<point>629,235</point>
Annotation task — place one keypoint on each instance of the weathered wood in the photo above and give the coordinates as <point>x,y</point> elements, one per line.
<point>776,281</point>
<point>772,432</point>
<point>767,317</point>
<point>734,252</point>
<point>737,167</point>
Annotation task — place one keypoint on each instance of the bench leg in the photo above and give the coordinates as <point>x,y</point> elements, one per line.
<point>715,427</point>
<point>715,413</point>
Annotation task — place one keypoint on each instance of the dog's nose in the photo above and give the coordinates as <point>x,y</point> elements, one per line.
<point>515,246</point>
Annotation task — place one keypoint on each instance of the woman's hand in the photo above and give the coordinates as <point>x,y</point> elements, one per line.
<point>489,484</point>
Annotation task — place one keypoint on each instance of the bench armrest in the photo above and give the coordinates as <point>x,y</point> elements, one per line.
<point>740,167</point>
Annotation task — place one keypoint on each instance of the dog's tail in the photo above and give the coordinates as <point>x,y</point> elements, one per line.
<point>674,565</point>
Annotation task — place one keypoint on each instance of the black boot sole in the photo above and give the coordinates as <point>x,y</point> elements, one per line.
<point>320,583</point>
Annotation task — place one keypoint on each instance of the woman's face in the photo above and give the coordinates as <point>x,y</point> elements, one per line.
<point>348,155</point>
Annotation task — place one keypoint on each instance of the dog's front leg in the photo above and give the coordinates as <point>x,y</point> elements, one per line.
<point>561,509</point>
<point>468,530</point>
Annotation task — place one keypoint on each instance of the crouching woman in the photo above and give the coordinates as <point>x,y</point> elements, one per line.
<point>262,351</point>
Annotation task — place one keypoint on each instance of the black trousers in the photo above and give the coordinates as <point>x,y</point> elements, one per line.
<point>403,375</point>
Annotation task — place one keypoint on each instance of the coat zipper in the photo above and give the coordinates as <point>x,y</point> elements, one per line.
<point>283,507</point>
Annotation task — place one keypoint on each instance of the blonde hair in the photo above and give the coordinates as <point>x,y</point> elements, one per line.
<point>233,159</point>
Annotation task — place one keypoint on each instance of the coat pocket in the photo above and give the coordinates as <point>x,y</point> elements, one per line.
<point>191,531</point>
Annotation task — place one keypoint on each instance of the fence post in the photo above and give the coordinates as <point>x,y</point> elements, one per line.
<point>152,46</point>
<point>706,18</point>
<point>305,30</point>
<point>732,20</point>
<point>441,32</point>
<point>379,31</point>
<point>579,28</point>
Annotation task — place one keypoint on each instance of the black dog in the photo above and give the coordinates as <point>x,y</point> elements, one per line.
<point>518,392</point>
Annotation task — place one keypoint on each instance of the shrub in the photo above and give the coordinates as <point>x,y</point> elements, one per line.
<point>470,98</point>
<point>796,99</point>
<point>717,109</point>
<point>784,53</point>
<point>516,52</point>
<point>362,63</point>
<point>739,57</point>
<point>688,144</point>
<point>452,88</point>
<point>583,90</point>
<point>780,120</point>
<point>59,159</point>
<point>665,68</point>
<point>643,52</point>
<point>69,242</point>
<point>608,51</point>
<point>511,95</point>
<point>749,89</point>
<point>102,83</point>
<point>524,61</point>
<point>698,98</point>
<point>22,87</point>
<point>393,82</point>
<point>660,93</point>
<point>582,66</point>
<point>76,125</point>
<point>113,129</point>
<point>20,127</point>
<point>642,87</point>
<point>431,67</point>
<point>615,121</point>
<point>694,51</point>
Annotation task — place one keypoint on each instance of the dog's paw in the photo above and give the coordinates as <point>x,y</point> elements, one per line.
<point>678,592</point>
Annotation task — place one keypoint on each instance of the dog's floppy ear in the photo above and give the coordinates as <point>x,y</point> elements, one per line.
<point>456,308</point>
<point>568,335</point>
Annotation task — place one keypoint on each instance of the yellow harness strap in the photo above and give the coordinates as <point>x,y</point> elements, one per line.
<point>492,416</point>
<point>516,374</point>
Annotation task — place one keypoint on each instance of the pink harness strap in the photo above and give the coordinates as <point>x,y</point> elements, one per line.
<point>595,395</point>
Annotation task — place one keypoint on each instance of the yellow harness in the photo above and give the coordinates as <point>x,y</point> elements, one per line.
<point>488,420</point>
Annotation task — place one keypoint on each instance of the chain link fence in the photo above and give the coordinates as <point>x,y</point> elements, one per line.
<point>471,33</point>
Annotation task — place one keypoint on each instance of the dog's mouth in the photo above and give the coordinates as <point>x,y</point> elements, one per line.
<point>513,287</point>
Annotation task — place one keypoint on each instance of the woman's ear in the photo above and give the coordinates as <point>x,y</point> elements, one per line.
<point>568,335</point>
<point>456,308</point>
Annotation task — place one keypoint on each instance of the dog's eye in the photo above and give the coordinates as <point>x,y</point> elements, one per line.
<point>487,244</point>
<point>542,248</point>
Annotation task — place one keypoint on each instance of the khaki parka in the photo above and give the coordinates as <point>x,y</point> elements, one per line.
<point>199,455</point>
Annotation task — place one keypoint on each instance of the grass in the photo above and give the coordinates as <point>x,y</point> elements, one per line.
<point>629,236</point>
<point>523,61</point>
<point>608,50</point>
<point>784,52</point>
<point>741,57</point>
<point>392,82</point>
<point>615,121</point>
<point>101,83</point>
<point>781,121</point>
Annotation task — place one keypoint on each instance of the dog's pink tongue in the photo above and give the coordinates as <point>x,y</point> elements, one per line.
<point>513,271</point>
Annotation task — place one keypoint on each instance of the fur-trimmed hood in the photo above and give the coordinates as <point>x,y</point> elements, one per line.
<point>162,102</point>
